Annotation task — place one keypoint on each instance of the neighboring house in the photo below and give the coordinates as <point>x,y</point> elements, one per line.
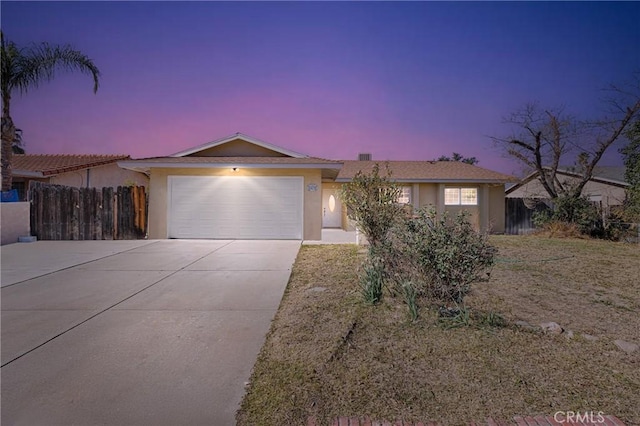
<point>241,187</point>
<point>607,186</point>
<point>93,171</point>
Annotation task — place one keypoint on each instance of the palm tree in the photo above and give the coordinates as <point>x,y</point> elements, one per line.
<point>17,147</point>
<point>24,69</point>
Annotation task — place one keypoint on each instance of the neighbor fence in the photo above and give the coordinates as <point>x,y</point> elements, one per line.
<point>67,213</point>
<point>519,214</point>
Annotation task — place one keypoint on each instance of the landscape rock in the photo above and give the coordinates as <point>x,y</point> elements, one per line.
<point>569,334</point>
<point>317,289</point>
<point>589,337</point>
<point>551,327</point>
<point>628,347</point>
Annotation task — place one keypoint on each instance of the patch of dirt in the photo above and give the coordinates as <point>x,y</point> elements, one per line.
<point>329,354</point>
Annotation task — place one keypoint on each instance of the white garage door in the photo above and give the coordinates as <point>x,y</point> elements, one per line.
<point>235,207</point>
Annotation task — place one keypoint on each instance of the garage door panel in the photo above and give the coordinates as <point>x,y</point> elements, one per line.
<point>235,207</point>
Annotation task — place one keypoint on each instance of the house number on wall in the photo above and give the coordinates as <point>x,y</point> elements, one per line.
<point>312,187</point>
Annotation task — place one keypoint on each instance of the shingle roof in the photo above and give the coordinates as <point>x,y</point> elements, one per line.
<point>610,175</point>
<point>604,172</point>
<point>53,164</point>
<point>425,171</point>
<point>234,160</point>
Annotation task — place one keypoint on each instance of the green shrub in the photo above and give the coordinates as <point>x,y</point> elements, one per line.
<point>371,201</point>
<point>372,279</point>
<point>491,319</point>
<point>577,211</point>
<point>616,229</point>
<point>442,255</point>
<point>410,294</point>
<point>455,318</point>
<point>419,256</point>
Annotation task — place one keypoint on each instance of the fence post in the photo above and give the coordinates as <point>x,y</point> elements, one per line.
<point>98,214</point>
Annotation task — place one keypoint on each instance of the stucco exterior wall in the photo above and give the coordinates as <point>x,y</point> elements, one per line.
<point>428,194</point>
<point>14,221</point>
<point>238,148</point>
<point>159,205</point>
<point>108,175</point>
<point>611,195</point>
<point>496,209</point>
<point>487,215</point>
<point>432,195</point>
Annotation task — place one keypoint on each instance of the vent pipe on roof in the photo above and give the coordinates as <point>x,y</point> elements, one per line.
<point>364,157</point>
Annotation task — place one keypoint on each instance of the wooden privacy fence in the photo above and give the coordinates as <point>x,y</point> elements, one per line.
<point>519,215</point>
<point>67,213</point>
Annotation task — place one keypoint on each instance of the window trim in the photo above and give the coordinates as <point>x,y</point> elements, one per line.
<point>460,199</point>
<point>408,196</point>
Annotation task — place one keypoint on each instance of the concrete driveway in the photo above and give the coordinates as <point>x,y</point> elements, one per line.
<point>135,332</point>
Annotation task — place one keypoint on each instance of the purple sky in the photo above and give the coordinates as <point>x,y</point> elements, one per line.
<point>409,80</point>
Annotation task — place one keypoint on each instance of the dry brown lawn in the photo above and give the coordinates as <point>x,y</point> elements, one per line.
<point>329,354</point>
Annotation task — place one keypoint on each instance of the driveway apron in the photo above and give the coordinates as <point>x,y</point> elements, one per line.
<point>161,333</point>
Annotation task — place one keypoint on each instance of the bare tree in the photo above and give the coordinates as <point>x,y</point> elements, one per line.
<point>547,137</point>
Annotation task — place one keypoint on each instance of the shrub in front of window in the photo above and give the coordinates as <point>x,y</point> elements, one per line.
<point>371,201</point>
<point>442,257</point>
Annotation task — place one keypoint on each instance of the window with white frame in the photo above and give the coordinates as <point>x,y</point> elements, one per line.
<point>405,195</point>
<point>461,196</point>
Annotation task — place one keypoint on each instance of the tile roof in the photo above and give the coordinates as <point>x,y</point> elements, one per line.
<point>53,164</point>
<point>425,171</point>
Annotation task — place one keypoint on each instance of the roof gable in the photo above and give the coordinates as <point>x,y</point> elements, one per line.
<point>238,145</point>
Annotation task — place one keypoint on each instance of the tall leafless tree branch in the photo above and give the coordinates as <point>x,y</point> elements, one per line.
<point>543,139</point>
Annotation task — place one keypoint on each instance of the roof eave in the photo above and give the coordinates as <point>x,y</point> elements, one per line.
<point>146,167</point>
<point>535,174</point>
<point>497,181</point>
<point>27,173</point>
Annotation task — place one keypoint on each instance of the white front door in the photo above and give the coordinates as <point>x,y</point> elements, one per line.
<point>331,209</point>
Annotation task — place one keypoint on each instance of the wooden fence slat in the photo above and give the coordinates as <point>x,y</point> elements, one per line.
<point>50,215</point>
<point>122,226</point>
<point>98,215</point>
<point>130,218</point>
<point>136,208</point>
<point>116,212</point>
<point>87,213</point>
<point>43,217</point>
<point>75,214</point>
<point>107,213</point>
<point>64,214</point>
